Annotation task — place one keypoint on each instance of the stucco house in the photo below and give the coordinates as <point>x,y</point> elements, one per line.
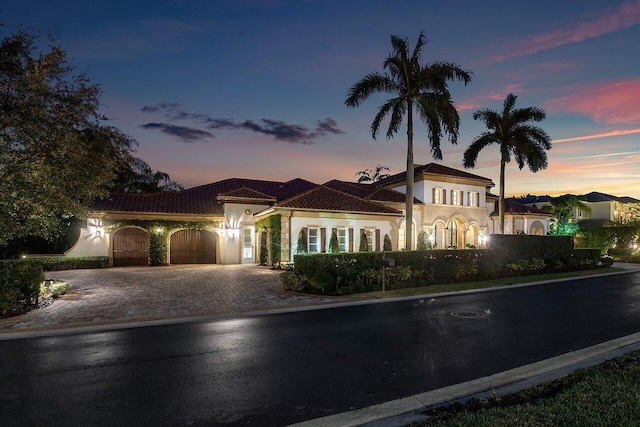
<point>604,208</point>
<point>225,222</point>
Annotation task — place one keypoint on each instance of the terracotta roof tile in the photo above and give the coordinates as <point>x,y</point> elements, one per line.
<point>371,192</point>
<point>436,169</point>
<point>513,207</point>
<point>329,199</point>
<point>246,193</point>
<point>200,200</point>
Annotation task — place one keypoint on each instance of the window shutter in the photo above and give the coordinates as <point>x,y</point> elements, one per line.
<point>377,239</point>
<point>433,195</point>
<point>323,240</point>
<point>444,197</point>
<point>351,240</point>
<point>334,231</point>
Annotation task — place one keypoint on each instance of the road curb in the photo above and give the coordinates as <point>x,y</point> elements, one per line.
<point>407,409</point>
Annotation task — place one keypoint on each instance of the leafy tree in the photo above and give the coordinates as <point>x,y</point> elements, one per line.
<point>512,131</point>
<point>561,208</point>
<point>423,242</point>
<point>368,175</point>
<point>136,176</point>
<point>418,86</point>
<point>56,153</point>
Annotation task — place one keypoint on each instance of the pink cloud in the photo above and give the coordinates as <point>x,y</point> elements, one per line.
<point>611,103</point>
<point>598,135</point>
<point>625,16</point>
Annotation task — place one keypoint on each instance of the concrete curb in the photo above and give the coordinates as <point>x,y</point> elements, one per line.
<point>405,410</point>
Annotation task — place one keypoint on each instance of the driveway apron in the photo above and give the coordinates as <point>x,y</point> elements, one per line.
<point>136,294</point>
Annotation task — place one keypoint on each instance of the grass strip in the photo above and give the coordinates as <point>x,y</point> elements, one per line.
<point>456,287</point>
<point>603,395</point>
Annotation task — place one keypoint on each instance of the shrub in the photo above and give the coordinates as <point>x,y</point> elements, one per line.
<point>302,242</point>
<point>292,281</point>
<point>334,247</point>
<point>53,287</point>
<point>69,263</point>
<point>422,241</point>
<point>527,265</point>
<point>19,284</point>
<point>364,243</point>
<point>323,281</point>
<point>386,244</point>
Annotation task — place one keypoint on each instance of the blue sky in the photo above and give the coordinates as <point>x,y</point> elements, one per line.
<point>256,89</point>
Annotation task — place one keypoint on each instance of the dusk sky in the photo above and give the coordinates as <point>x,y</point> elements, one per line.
<point>256,88</point>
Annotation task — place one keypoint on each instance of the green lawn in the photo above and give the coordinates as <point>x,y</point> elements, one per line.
<point>455,287</point>
<point>604,395</point>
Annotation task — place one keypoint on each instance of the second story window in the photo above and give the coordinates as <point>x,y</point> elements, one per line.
<point>454,197</point>
<point>437,196</point>
<point>472,198</point>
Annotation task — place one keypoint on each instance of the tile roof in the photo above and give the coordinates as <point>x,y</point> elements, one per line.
<point>245,193</point>
<point>201,200</point>
<point>435,169</point>
<point>329,199</point>
<point>371,192</point>
<point>595,196</point>
<point>513,207</point>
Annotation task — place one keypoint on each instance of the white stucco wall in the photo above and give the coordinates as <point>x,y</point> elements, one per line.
<point>90,244</point>
<point>316,221</point>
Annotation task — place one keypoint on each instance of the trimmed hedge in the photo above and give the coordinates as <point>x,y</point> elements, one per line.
<point>68,263</point>
<point>362,271</point>
<point>509,248</point>
<point>19,284</point>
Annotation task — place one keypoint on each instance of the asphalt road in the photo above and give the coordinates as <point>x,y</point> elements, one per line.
<point>284,368</point>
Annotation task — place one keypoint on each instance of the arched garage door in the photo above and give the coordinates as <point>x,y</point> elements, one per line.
<point>130,247</point>
<point>193,247</point>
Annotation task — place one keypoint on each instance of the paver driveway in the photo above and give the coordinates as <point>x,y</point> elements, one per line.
<point>135,294</point>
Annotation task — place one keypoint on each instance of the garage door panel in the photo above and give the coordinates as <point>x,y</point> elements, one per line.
<point>130,247</point>
<point>193,247</point>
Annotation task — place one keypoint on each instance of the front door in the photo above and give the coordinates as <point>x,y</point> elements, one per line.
<point>247,245</point>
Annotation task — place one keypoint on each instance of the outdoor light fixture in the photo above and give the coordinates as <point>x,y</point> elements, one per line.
<point>158,230</point>
<point>94,226</point>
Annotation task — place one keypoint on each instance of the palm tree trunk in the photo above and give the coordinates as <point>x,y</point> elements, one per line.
<point>501,198</point>
<point>410,177</point>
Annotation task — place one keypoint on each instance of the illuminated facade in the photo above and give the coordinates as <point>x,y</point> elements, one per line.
<point>216,223</point>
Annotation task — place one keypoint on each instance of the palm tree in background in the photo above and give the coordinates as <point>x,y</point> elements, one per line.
<point>512,131</point>
<point>367,175</point>
<point>413,85</point>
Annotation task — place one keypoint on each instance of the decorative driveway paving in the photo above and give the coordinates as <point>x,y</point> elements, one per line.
<point>135,294</point>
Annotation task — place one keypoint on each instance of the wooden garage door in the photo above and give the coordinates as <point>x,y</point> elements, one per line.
<point>193,247</point>
<point>130,247</point>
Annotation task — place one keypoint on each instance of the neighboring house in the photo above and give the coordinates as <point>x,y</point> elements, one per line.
<point>216,223</point>
<point>522,219</point>
<point>605,208</point>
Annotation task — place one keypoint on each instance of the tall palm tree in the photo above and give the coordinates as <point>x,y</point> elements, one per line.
<point>516,136</point>
<point>413,85</point>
